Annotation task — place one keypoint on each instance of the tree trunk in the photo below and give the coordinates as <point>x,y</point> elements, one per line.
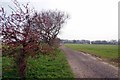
<point>21,63</point>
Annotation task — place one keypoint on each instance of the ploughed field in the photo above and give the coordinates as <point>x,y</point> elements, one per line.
<point>106,52</point>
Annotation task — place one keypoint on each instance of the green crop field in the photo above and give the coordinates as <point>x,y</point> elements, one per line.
<point>109,52</point>
<point>44,66</point>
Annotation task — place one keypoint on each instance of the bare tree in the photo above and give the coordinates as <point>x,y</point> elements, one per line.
<point>24,29</point>
<point>50,23</point>
<point>16,31</point>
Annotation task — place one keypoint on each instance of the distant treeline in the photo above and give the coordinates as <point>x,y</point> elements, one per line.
<point>114,42</point>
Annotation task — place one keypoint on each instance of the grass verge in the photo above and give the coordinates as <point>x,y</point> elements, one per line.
<point>44,66</point>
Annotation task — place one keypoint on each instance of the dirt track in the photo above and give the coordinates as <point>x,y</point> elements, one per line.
<point>86,66</point>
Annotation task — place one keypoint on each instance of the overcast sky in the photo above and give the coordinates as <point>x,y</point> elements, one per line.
<point>89,19</point>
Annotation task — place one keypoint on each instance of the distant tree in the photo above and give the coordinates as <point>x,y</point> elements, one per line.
<point>113,42</point>
<point>74,41</point>
<point>104,42</point>
<point>118,41</point>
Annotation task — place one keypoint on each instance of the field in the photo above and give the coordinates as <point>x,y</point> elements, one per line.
<point>109,52</point>
<point>44,66</point>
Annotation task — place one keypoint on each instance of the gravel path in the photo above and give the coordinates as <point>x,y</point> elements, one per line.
<point>87,66</point>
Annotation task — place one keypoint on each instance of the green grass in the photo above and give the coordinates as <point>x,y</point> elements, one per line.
<point>103,51</point>
<point>44,66</point>
<point>0,61</point>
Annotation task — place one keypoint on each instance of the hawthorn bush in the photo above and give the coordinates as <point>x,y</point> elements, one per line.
<point>26,32</point>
